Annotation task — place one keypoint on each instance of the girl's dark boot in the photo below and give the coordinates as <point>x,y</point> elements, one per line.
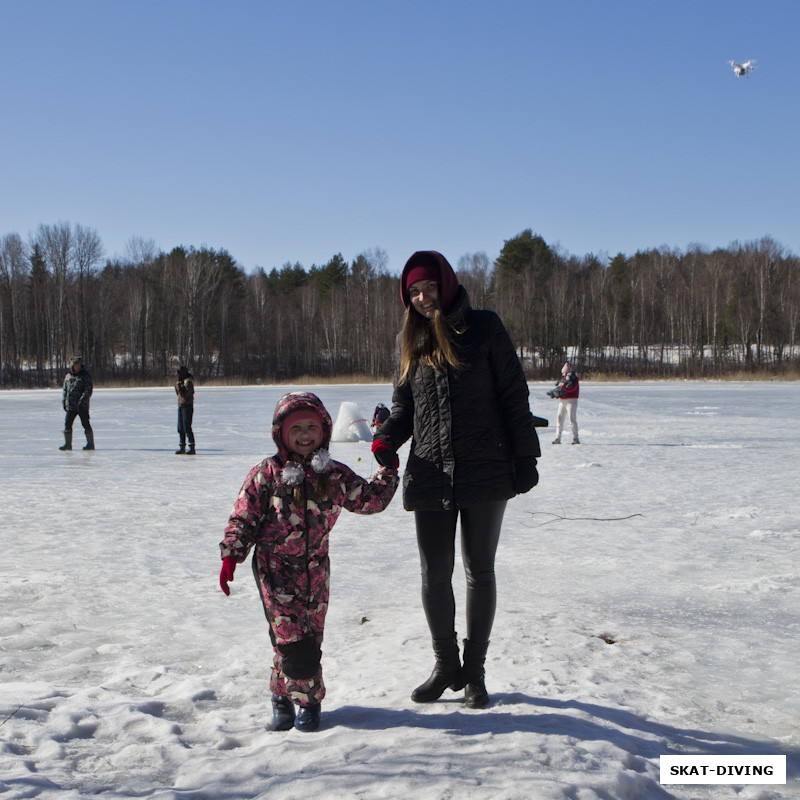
<point>308,718</point>
<point>282,713</point>
<point>475,694</point>
<point>446,672</point>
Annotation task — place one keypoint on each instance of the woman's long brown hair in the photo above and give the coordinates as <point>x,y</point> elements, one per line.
<point>428,342</point>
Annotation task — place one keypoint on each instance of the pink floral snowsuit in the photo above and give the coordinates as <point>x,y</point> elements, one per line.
<point>291,562</point>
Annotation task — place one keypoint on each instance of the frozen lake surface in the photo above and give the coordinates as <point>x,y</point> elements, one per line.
<point>649,604</point>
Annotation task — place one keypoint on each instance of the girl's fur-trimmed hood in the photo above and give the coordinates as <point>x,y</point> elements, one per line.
<point>297,401</point>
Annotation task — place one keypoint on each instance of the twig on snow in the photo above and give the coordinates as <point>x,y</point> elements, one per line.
<point>11,715</point>
<point>559,518</point>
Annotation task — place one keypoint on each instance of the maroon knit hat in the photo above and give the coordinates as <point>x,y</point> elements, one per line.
<point>422,272</point>
<point>430,265</point>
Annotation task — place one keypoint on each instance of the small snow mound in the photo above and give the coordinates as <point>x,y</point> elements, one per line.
<point>588,465</point>
<point>772,534</point>
<point>756,587</point>
<point>748,512</point>
<point>351,425</point>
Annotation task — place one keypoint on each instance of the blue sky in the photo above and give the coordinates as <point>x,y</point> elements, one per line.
<point>291,131</point>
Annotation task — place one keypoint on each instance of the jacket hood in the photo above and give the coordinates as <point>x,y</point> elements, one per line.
<point>448,282</point>
<point>298,401</point>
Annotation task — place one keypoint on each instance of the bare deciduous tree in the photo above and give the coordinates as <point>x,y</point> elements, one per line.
<point>661,311</point>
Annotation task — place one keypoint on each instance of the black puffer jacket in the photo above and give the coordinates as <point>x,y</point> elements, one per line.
<point>467,425</point>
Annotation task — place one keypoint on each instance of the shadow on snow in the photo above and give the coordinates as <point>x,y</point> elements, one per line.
<point>569,718</point>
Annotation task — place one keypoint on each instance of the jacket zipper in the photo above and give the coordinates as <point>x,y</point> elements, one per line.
<point>307,538</point>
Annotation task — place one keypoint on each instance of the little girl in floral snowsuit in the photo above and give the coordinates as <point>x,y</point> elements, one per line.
<point>285,509</point>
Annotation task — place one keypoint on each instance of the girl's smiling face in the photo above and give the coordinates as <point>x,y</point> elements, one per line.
<point>304,436</point>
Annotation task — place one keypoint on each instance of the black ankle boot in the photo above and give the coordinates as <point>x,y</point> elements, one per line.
<point>282,713</point>
<point>446,672</point>
<point>308,718</point>
<point>475,694</point>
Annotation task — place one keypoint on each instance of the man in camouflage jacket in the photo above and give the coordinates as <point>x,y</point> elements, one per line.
<point>75,398</point>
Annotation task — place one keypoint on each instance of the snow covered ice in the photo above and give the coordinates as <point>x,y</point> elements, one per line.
<point>648,605</point>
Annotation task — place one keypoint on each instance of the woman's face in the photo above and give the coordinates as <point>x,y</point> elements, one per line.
<point>424,296</point>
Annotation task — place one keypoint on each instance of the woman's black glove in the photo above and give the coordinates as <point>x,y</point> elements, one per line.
<point>525,475</point>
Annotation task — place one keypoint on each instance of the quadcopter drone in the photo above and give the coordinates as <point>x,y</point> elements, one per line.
<point>744,69</point>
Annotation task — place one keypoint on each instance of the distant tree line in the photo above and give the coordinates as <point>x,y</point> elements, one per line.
<point>134,319</point>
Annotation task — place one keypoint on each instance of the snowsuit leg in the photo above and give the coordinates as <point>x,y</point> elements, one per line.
<point>296,625</point>
<point>303,691</point>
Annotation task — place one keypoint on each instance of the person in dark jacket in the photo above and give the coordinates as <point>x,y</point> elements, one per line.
<point>184,388</point>
<point>75,399</point>
<point>461,396</point>
<point>379,416</point>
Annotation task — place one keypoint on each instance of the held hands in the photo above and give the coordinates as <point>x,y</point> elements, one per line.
<point>525,475</point>
<point>226,573</point>
<point>385,455</point>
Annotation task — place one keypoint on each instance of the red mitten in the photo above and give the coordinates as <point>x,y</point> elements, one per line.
<point>226,573</point>
<point>385,455</point>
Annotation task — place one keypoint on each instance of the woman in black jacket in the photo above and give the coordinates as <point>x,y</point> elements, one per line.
<point>461,396</point>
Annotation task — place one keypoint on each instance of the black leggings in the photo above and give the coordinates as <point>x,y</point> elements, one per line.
<point>436,535</point>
